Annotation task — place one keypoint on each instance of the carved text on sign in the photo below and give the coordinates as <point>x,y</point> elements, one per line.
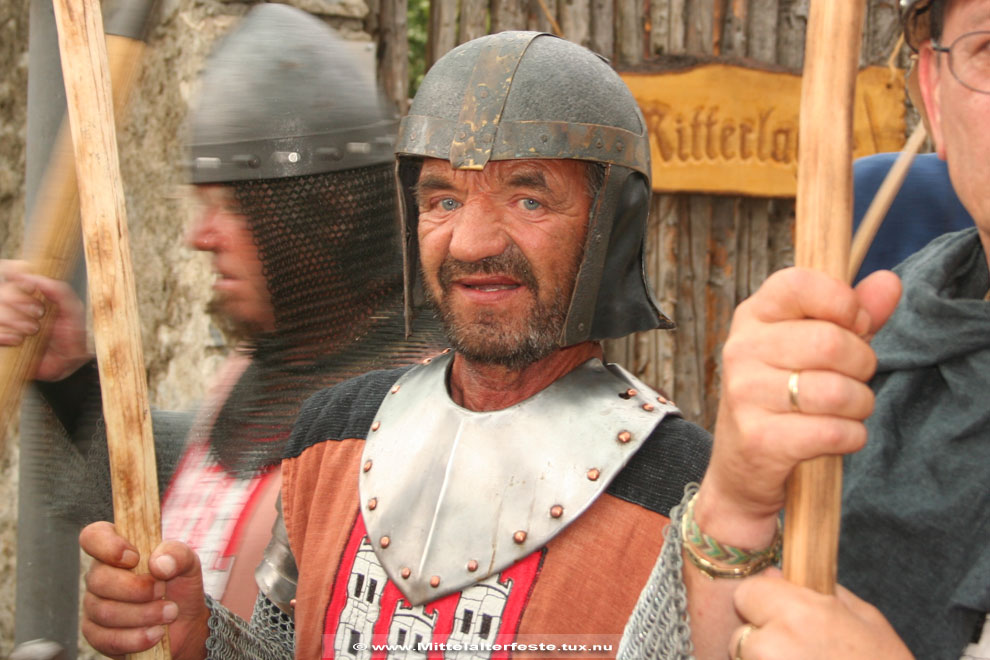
<point>719,128</point>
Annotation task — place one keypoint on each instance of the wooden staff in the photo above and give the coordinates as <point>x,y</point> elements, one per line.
<point>113,298</point>
<point>824,219</point>
<point>51,246</point>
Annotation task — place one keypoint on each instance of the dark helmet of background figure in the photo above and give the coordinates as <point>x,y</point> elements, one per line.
<point>526,95</point>
<point>269,106</point>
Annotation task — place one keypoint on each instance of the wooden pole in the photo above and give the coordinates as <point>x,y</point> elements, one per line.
<point>878,208</point>
<point>824,218</point>
<point>52,244</point>
<point>113,297</point>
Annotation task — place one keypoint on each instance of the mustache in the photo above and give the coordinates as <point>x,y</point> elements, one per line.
<point>511,263</point>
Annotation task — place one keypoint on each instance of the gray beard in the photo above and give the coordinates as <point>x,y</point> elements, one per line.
<point>487,339</point>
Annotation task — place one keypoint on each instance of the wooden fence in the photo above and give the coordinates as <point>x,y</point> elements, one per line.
<point>704,253</point>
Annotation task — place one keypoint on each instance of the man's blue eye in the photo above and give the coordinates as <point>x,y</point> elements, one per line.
<point>530,204</point>
<point>448,204</point>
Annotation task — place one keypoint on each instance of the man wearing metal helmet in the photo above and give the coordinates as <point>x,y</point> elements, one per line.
<point>914,554</point>
<point>291,157</point>
<point>506,497</point>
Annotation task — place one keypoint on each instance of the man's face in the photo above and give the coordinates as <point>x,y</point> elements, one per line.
<point>500,249</point>
<point>960,117</point>
<point>240,290</point>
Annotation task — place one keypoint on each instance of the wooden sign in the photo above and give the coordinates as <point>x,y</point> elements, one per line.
<point>727,129</point>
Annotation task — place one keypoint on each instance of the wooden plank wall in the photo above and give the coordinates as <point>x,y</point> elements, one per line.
<point>704,254</point>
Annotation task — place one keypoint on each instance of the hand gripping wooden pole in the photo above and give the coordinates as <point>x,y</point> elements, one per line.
<point>112,294</point>
<point>824,219</point>
<point>51,246</point>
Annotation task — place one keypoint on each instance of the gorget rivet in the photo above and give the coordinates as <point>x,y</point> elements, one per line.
<point>556,511</point>
<point>472,565</point>
<point>367,465</point>
<point>648,407</point>
<point>435,581</point>
<point>395,388</point>
<point>631,393</point>
<point>372,504</point>
<point>292,603</point>
<point>619,146</point>
<point>519,537</point>
<point>427,360</point>
<point>445,351</point>
<point>461,136</point>
<point>376,425</point>
<point>625,437</point>
<point>384,541</point>
<point>405,573</point>
<point>593,474</point>
<point>661,399</point>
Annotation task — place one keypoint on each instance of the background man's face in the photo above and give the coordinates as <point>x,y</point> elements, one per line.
<point>240,290</point>
<point>500,249</point>
<point>960,117</point>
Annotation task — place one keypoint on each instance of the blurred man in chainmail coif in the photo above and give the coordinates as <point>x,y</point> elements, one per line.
<point>291,157</point>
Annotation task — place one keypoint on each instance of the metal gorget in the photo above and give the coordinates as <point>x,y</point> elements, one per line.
<point>450,496</point>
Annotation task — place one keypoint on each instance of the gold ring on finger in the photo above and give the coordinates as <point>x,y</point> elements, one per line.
<point>793,390</point>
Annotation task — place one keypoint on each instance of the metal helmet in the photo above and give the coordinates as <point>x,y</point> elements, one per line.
<point>284,95</point>
<point>526,95</point>
<point>922,21</point>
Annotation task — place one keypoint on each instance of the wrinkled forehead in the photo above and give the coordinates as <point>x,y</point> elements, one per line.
<point>551,173</point>
<point>961,16</point>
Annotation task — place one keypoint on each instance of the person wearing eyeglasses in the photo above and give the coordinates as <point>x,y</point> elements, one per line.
<point>908,409</point>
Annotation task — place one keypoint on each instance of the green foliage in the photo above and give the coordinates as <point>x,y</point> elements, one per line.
<point>418,23</point>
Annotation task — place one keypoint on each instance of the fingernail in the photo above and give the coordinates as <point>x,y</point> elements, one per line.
<point>129,557</point>
<point>155,633</point>
<point>165,565</point>
<point>38,311</point>
<point>862,322</point>
<point>170,612</point>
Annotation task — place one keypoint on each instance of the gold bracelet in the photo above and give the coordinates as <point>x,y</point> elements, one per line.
<point>702,550</point>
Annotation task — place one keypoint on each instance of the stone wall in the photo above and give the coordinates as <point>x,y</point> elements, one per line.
<point>182,348</point>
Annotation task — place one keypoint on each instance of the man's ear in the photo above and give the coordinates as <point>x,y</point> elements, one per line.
<point>929,74</point>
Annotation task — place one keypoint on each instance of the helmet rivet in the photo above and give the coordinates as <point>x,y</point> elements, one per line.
<point>648,407</point>
<point>619,146</point>
<point>367,465</point>
<point>435,581</point>
<point>544,138</point>
<point>556,511</point>
<point>395,388</point>
<point>405,573</point>
<point>662,399</point>
<point>472,566</point>
<point>376,425</point>
<point>593,474</point>
<point>519,537</point>
<point>599,143</point>
<point>624,437</point>
<point>462,136</point>
<point>384,541</point>
<point>427,360</point>
<point>372,504</point>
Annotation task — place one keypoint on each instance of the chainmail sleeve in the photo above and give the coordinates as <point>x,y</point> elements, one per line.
<point>659,626</point>
<point>270,635</point>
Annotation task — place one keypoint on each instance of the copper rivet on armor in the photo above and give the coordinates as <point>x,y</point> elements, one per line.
<point>631,392</point>
<point>367,465</point>
<point>292,603</point>
<point>372,503</point>
<point>519,537</point>
<point>427,360</point>
<point>384,541</point>
<point>544,138</point>
<point>556,511</point>
<point>406,573</point>
<point>661,399</point>
<point>619,146</point>
<point>472,565</point>
<point>375,425</point>
<point>445,351</point>
<point>599,143</point>
<point>435,581</point>
<point>648,407</point>
<point>594,473</point>
<point>625,436</point>
<point>395,389</point>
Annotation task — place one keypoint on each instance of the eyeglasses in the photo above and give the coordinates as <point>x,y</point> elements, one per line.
<point>969,60</point>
